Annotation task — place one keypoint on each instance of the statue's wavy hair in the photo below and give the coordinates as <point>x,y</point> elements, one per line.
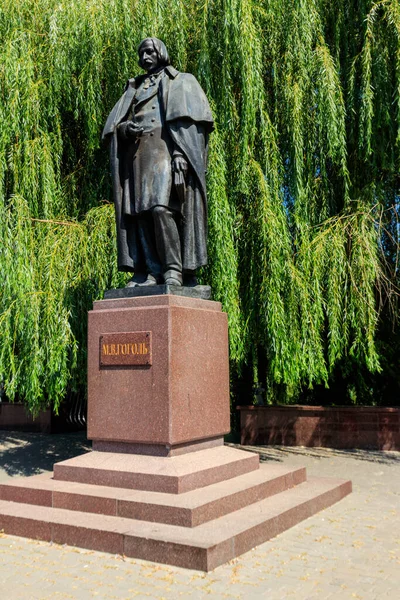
<point>160,48</point>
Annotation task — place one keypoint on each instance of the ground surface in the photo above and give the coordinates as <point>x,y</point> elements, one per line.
<point>349,551</point>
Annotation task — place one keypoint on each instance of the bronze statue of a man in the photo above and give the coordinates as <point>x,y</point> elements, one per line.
<point>159,132</point>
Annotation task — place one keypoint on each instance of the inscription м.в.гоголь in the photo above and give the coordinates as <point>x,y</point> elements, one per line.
<point>125,349</point>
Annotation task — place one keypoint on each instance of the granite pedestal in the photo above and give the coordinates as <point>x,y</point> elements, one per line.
<point>179,401</point>
<point>160,484</point>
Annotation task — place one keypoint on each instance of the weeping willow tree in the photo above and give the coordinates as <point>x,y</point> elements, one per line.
<point>303,179</point>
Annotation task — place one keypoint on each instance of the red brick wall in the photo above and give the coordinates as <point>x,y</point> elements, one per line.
<point>331,427</point>
<point>15,416</point>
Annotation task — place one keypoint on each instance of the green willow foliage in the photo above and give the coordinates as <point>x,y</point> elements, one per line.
<point>303,177</point>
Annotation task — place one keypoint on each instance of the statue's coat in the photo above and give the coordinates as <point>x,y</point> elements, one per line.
<point>189,121</point>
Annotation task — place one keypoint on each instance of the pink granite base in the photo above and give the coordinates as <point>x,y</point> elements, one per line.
<point>201,547</point>
<point>157,449</point>
<point>196,510</point>
<point>160,485</point>
<point>173,475</point>
<point>186,510</point>
<point>183,396</point>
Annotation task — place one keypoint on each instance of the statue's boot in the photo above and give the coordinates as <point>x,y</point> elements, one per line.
<point>172,277</point>
<point>137,279</point>
<point>151,280</point>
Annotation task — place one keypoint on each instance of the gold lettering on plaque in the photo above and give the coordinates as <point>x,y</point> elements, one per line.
<point>125,349</point>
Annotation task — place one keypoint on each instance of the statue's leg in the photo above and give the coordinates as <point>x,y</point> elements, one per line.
<point>190,278</point>
<point>149,251</point>
<point>168,244</point>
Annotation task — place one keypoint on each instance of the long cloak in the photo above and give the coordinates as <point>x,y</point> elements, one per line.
<point>189,121</point>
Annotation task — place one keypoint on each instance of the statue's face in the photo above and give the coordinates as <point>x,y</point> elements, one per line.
<point>148,57</point>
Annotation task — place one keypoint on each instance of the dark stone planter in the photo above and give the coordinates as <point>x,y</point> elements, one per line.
<point>332,427</point>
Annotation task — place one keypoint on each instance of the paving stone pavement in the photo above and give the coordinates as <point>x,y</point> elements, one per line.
<point>349,551</point>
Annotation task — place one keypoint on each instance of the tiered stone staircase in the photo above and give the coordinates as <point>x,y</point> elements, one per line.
<point>197,510</point>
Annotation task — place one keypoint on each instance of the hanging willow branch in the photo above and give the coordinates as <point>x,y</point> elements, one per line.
<point>306,154</point>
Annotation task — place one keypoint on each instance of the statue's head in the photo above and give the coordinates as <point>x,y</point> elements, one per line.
<point>152,54</point>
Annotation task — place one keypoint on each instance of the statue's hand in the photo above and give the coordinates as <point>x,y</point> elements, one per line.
<point>128,130</point>
<point>180,168</point>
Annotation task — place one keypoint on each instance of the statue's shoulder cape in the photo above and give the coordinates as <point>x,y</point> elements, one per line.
<point>184,99</point>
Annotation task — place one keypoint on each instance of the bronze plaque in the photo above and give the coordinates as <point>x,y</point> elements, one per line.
<point>125,349</point>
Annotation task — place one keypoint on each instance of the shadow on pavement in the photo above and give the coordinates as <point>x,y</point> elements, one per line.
<point>24,454</point>
<point>279,453</point>
<point>27,454</point>
<point>376,456</point>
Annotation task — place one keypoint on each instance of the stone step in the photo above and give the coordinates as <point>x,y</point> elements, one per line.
<point>172,475</point>
<point>203,547</point>
<point>187,510</point>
